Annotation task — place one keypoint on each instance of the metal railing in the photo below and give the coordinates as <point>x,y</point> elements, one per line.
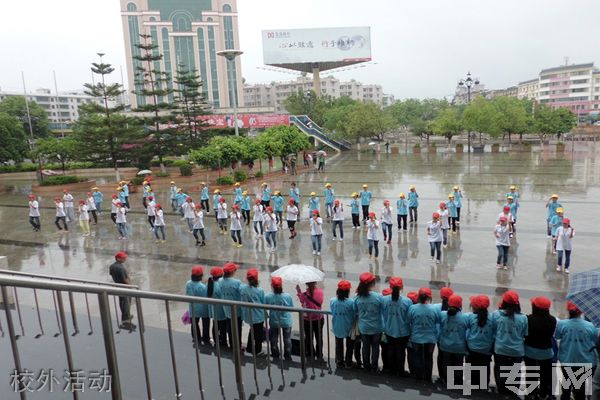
<point>316,131</point>
<point>103,291</point>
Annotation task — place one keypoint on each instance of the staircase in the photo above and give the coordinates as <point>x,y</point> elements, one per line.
<point>313,130</point>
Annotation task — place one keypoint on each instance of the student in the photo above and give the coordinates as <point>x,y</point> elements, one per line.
<point>266,195</point>
<point>258,218</point>
<point>386,222</point>
<point>122,197</point>
<point>151,211</point>
<point>510,330</point>
<point>295,194</point>
<point>555,222</point>
<point>188,212</point>
<point>538,344</point>
<point>216,312</point>
<point>245,207</point>
<point>506,214</point>
<point>181,200</point>
<point>402,211</point>
<point>230,290</point>
<point>198,228</point>
<point>444,218</point>
<point>98,198</point>
<point>278,207</point>
<point>434,236</point>
<point>329,195</point>
<point>458,195</point>
<point>337,212</point>
<point>513,208</point>
<point>173,196</point>
<point>146,189</point>
<point>369,311</point>
<point>34,213</point>
<point>453,344</point>
<point>204,197</point>
<point>312,299</point>
<point>271,230</point>
<point>236,226</point>
<point>69,207</point>
<point>445,294</point>
<point>222,215</point>
<point>292,217</point>
<point>313,203</point>
<point>452,211</point>
<point>84,218</point>
<point>515,195</point>
<point>113,208</point>
<point>354,211</point>
<point>343,311</point>
<point>159,224</point>
<point>577,339</point>
<point>280,321</point>
<point>216,199</point>
<point>413,204</point>
<point>480,337</point>
<point>423,320</point>
<point>396,328</point>
<point>316,232</point>
<point>255,317</point>
<point>373,235</point>
<point>198,311</point>
<point>365,201</point>
<point>502,235</point>
<point>60,215</point>
<point>552,205</point>
<point>125,186</point>
<point>564,238</point>
<point>238,194</point>
<point>121,220</point>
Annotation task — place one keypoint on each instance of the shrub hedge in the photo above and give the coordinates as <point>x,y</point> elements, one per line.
<point>62,180</point>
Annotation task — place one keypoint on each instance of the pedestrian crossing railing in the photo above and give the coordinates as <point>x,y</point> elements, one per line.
<point>98,296</point>
<point>310,128</point>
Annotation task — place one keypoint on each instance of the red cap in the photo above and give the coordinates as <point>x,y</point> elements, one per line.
<point>270,209</point>
<point>276,281</point>
<point>336,201</point>
<point>230,267</point>
<point>57,199</point>
<point>81,201</point>
<point>366,277</point>
<point>503,219</point>
<point>150,197</point>
<point>292,202</point>
<point>121,255</point>
<point>257,201</point>
<point>480,302</point>
<point>386,202</point>
<point>446,292</point>
<point>572,306</point>
<point>506,208</point>
<point>114,196</point>
<point>235,206</point>
<point>386,291</point>
<point>510,297</point>
<point>315,212</point>
<point>118,204</point>
<point>65,190</point>
<point>413,296</point>
<point>197,270</point>
<point>566,221</point>
<point>455,301</point>
<point>344,285</point>
<point>426,291</point>
<point>89,193</point>
<point>435,215</point>
<point>188,199</point>
<point>222,200</point>
<point>198,206</point>
<point>158,206</point>
<point>252,273</point>
<point>371,214</point>
<point>442,205</point>
<point>541,302</point>
<point>396,281</point>
<point>216,272</point>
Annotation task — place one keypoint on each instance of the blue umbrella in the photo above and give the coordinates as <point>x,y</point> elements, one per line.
<point>585,293</point>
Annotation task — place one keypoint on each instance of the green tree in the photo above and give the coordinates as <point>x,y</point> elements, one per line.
<point>512,116</point>
<point>13,140</point>
<point>336,119</point>
<point>107,135</point>
<point>58,150</point>
<point>308,103</point>
<point>153,87</point>
<point>280,141</point>
<point>191,104</point>
<point>15,106</point>
<point>567,120</point>
<point>417,115</point>
<point>481,116</point>
<point>447,123</point>
<point>406,112</point>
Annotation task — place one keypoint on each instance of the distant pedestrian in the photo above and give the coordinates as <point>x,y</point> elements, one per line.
<point>444,218</point>
<point>316,232</point>
<point>365,200</point>
<point>271,230</point>
<point>151,211</point>
<point>173,196</point>
<point>355,211</point>
<point>245,207</point>
<point>69,206</point>
<point>113,208</point>
<point>91,205</point>
<point>402,211</point>
<point>387,222</point>
<point>204,198</point>
<point>198,228</point>
<point>159,224</point>
<point>292,217</point>
<point>434,236</point>
<point>60,215</point>
<point>188,212</point>
<point>266,195</point>
<point>119,274</point>
<point>98,198</point>
<point>84,218</point>
<point>372,225</point>
<point>329,195</point>
<point>222,215</point>
<point>121,220</point>
<point>552,205</point>
<point>321,167</point>
<point>34,213</point>
<point>258,219</point>
<point>236,225</point>
<point>413,204</point>
<point>338,219</point>
<point>564,238</point>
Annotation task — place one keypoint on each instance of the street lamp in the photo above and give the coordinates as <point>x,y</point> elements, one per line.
<point>468,82</point>
<point>230,55</point>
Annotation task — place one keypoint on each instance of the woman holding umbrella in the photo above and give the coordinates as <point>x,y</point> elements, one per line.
<point>312,299</point>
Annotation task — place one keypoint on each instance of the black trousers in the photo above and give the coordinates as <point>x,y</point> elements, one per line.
<point>423,360</point>
<point>35,222</point>
<point>344,348</point>
<point>125,306</point>
<point>259,337</point>
<point>203,336</point>
<point>64,223</point>
<point>246,216</point>
<point>113,216</point>
<point>151,219</point>
<point>450,360</point>
<point>500,361</point>
<point>221,335</point>
<point>578,394</point>
<point>413,214</point>
<point>453,221</point>
<point>265,203</point>
<point>229,327</point>
<point>457,214</point>
<point>317,333</point>
<point>546,372</point>
<point>402,222</point>
<point>480,360</point>
<point>365,210</point>
<point>94,216</point>
<point>397,353</point>
<point>355,220</point>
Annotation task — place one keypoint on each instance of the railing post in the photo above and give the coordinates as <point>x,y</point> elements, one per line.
<point>141,327</point>
<point>65,335</point>
<point>178,393</point>
<point>109,346</point>
<point>302,348</point>
<point>13,342</point>
<point>237,357</point>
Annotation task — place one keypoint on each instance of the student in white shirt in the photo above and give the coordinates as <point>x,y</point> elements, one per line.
<point>60,215</point>
<point>236,225</point>
<point>199,225</point>
<point>564,237</point>
<point>509,217</point>
<point>151,211</point>
<point>91,206</point>
<point>113,208</point>
<point>188,212</point>
<point>84,218</point>
<point>434,235</point>
<point>159,224</point>
<point>445,220</point>
<point>222,215</point>
<point>258,218</point>
<point>373,234</point>
<point>337,216</point>
<point>121,220</point>
<point>271,229</point>
<point>502,235</point>
<point>34,213</point>
<point>68,202</point>
<point>316,232</point>
<point>292,217</point>
<point>387,222</point>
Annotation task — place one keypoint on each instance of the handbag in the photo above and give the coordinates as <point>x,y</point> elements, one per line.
<point>185,318</point>
<point>354,332</point>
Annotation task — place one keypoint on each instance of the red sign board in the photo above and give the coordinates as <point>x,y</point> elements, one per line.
<point>245,120</point>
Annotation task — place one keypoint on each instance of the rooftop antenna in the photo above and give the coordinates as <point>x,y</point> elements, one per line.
<point>566,61</point>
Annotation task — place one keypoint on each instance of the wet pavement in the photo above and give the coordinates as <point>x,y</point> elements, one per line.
<point>468,262</point>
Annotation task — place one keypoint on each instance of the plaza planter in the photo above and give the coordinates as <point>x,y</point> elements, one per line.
<point>560,147</point>
<point>417,150</point>
<point>395,150</point>
<point>479,148</point>
<point>495,148</point>
<point>85,186</point>
<point>460,148</point>
<point>432,149</point>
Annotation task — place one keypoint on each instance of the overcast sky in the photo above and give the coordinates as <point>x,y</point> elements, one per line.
<point>420,47</point>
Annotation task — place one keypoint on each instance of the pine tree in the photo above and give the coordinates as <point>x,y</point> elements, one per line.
<point>191,104</point>
<point>106,134</point>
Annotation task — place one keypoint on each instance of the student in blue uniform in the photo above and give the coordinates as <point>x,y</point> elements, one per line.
<point>195,287</point>
<point>204,197</point>
<point>452,211</point>
<point>230,290</point>
<point>458,195</point>
<point>173,196</point>
<point>254,317</point>
<point>552,204</point>
<point>313,203</point>
<point>98,198</point>
<point>365,201</point>
<point>217,312</point>
<point>413,204</point>
<point>216,199</point>
<point>343,313</point>
<point>295,195</point>
<point>245,207</point>
<point>396,327</point>
<point>329,196</point>
<point>237,190</point>
<point>480,337</point>
<point>265,199</point>
<point>453,343</point>
<point>278,207</point>
<point>402,211</point>
<point>355,210</point>
<point>280,320</point>
<point>423,320</point>
<point>369,311</point>
<point>513,208</point>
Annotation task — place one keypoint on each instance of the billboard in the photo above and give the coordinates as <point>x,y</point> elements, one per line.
<point>245,120</point>
<point>293,46</point>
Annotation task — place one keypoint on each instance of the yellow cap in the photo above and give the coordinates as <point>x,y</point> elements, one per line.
<point>510,198</point>
<point>237,184</point>
<point>202,183</point>
<point>244,193</point>
<point>328,185</point>
<point>560,209</point>
<point>264,184</point>
<point>172,182</point>
<point>365,186</point>
<point>119,188</point>
<point>412,187</point>
<point>513,187</point>
<point>354,194</point>
<point>313,194</point>
<point>95,188</point>
<point>145,182</point>
<point>402,195</point>
<point>450,196</point>
<point>217,191</point>
<point>555,196</point>
<point>180,190</point>
<point>277,192</point>
<point>455,188</point>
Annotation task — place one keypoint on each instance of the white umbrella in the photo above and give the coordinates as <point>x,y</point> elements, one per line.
<point>372,143</point>
<point>322,152</point>
<point>145,172</point>
<point>298,273</point>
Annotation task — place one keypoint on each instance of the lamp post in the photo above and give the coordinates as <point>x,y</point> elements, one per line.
<point>468,82</point>
<point>230,55</point>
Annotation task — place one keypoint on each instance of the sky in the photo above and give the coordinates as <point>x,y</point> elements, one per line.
<point>420,48</point>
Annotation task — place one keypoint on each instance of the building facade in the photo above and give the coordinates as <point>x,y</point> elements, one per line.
<point>274,94</point>
<point>188,34</point>
<point>528,89</point>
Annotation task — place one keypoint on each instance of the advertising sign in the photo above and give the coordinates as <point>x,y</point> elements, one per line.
<point>245,120</point>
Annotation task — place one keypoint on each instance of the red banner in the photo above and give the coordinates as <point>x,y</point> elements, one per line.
<point>246,120</point>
